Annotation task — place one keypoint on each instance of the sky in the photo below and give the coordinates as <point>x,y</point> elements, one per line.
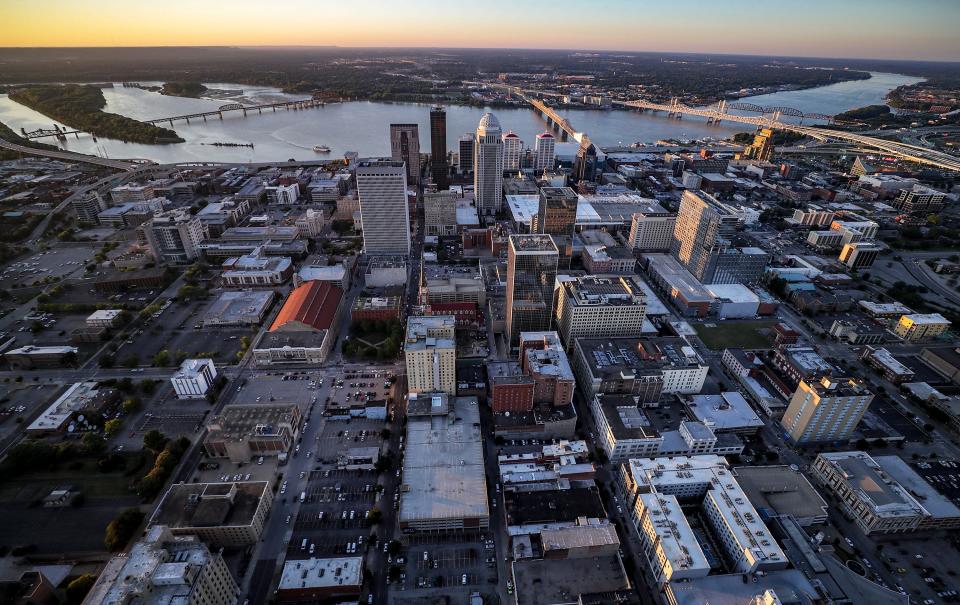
<point>887,29</point>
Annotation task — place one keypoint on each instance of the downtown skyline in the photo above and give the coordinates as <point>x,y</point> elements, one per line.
<point>920,30</point>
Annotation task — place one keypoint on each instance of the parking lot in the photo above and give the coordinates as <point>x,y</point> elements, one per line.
<point>445,561</point>
<point>334,516</point>
<point>944,475</point>
<point>884,410</point>
<point>55,262</point>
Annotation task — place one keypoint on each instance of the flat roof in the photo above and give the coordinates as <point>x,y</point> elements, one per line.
<point>552,581</point>
<point>726,411</point>
<point>321,573</point>
<point>443,472</point>
<point>187,505</point>
<point>676,538</point>
<point>606,356</point>
<point>681,280</point>
<point>737,293</point>
<point>780,490</point>
<point>239,306</point>
<point>872,485</point>
<point>552,506</point>
<point>627,420</point>
<point>937,504</point>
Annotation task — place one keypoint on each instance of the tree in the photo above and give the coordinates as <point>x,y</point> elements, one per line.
<point>131,405</point>
<point>154,440</point>
<point>112,427</point>
<point>162,358</point>
<point>79,587</point>
<point>375,516</point>
<point>121,529</point>
<point>93,443</point>
<point>394,547</point>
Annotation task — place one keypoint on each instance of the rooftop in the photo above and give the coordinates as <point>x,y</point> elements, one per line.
<point>552,506</point>
<point>932,500</point>
<point>627,420</point>
<point>873,486</point>
<point>187,505</point>
<point>313,304</point>
<point>548,358</point>
<point>724,412</point>
<point>432,331</point>
<point>532,244</point>
<point>238,422</point>
<point>552,581</point>
<point>321,573</point>
<point>681,280</point>
<point>620,356</point>
<point>779,490</point>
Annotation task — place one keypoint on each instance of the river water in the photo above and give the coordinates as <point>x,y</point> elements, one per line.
<point>363,126</point>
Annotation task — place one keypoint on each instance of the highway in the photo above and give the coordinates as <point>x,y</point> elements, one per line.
<point>69,156</point>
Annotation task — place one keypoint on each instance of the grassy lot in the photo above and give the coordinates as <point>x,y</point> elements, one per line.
<point>91,482</point>
<point>735,334</point>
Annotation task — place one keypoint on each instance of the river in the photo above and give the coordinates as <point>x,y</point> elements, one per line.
<point>363,126</point>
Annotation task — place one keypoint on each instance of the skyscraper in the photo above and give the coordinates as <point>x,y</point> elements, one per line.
<point>824,410</point>
<point>585,164</point>
<point>702,232</point>
<point>557,213</point>
<point>512,146</point>
<point>465,165</point>
<point>488,165</point>
<point>405,147</point>
<point>382,189</point>
<point>438,147</point>
<point>544,152</point>
<point>531,273</point>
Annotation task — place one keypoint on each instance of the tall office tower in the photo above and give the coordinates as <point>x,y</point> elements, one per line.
<point>488,165</point>
<point>438,147</point>
<point>174,236</point>
<point>405,147</point>
<point>557,213</point>
<point>512,146</point>
<point>384,214</point>
<point>585,164</point>
<point>651,230</point>
<point>762,147</point>
<point>704,226</point>
<point>544,152</point>
<point>826,410</point>
<point>531,273</point>
<point>465,164</point>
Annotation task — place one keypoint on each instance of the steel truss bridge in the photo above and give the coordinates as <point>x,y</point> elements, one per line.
<point>769,118</point>
<point>229,107</point>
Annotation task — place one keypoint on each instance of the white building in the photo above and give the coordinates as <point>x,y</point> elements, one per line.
<point>512,146</point>
<point>162,569</point>
<point>488,165</point>
<point>104,318</point>
<point>174,236</point>
<point>431,354</point>
<point>284,195</point>
<point>194,378</point>
<point>652,229</point>
<point>382,189</point>
<point>672,549</point>
<point>591,306</point>
<point>311,222</point>
<point>544,152</point>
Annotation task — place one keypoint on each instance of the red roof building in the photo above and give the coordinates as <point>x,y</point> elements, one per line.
<point>312,306</point>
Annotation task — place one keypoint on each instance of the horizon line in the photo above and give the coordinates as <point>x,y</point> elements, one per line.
<point>487,48</point>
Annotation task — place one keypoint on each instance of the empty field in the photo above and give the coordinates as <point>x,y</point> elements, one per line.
<point>737,335</point>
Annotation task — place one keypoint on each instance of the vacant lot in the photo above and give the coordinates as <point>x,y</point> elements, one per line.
<point>738,335</point>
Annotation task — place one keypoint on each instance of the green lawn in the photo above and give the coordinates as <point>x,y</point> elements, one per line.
<point>91,482</point>
<point>735,334</point>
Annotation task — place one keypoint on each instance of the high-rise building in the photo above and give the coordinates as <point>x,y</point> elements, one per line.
<point>438,147</point>
<point>826,410</point>
<point>384,214</point>
<point>920,198</point>
<point>488,165</point>
<point>592,307</point>
<point>174,236</point>
<point>531,273</point>
<point>544,152</point>
<point>163,568</point>
<point>860,255</point>
<point>512,146</point>
<point>465,164</point>
<point>440,213</point>
<point>405,147</point>
<point>431,354</point>
<point>762,147</point>
<point>557,212</point>
<point>585,164</point>
<point>703,230</point>
<point>652,229</point>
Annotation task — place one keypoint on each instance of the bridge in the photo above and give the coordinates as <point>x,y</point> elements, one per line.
<point>69,156</point>
<point>56,131</point>
<point>769,118</point>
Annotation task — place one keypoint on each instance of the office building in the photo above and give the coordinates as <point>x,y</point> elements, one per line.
<point>321,580</point>
<point>557,212</point>
<point>855,231</point>
<point>594,307</point>
<point>883,360</point>
<point>920,199</point>
<point>512,146</point>
<point>431,354</point>
<point>488,165</point>
<point>531,275</point>
<point>174,236</point>
<point>543,359</point>
<point>884,495</point>
<point>444,484</point>
<point>438,148</point>
<point>703,230</point>
<point>104,318</point>
<point>29,357</point>
<point>71,410</point>
<point>825,240</point>
<point>762,147</point>
<point>88,206</point>
<point>544,152</point>
<point>440,213</point>
<point>256,270</point>
<point>228,515</point>
<point>405,147</point>
<point>644,367</point>
<point>921,326</point>
<point>242,432</point>
<point>826,410</point>
<point>860,255</point>
<point>310,223</point>
<point>813,216</point>
<point>194,378</point>
<point>164,569</point>
<point>654,488</point>
<point>285,195</point>
<point>384,212</point>
<point>652,229</point>
<point>465,154</point>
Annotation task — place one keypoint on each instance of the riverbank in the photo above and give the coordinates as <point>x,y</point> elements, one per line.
<point>81,107</point>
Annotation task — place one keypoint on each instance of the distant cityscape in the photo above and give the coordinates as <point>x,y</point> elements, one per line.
<point>510,370</point>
